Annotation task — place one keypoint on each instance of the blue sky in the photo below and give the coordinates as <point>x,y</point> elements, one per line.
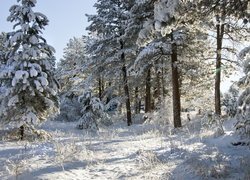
<point>67,19</point>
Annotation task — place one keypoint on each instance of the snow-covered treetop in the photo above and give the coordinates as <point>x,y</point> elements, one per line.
<point>70,71</point>
<point>168,16</point>
<point>23,15</point>
<point>28,2</point>
<point>28,25</point>
<point>164,11</point>
<point>224,8</point>
<point>109,25</point>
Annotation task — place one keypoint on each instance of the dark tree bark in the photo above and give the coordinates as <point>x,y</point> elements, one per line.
<point>220,32</point>
<point>125,86</point>
<point>137,101</point>
<point>164,91</point>
<point>175,85</point>
<point>108,93</point>
<point>120,92</point>
<point>100,87</point>
<point>157,89</point>
<point>21,132</point>
<point>148,91</point>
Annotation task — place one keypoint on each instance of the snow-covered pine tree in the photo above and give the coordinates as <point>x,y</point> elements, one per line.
<point>70,74</point>
<point>149,64</point>
<point>143,73</point>
<point>109,50</point>
<point>243,114</point>
<point>31,90</point>
<point>69,69</point>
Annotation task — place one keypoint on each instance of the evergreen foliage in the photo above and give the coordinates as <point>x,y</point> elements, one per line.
<point>27,75</point>
<point>243,124</point>
<point>138,55</point>
<point>110,50</point>
<point>70,68</point>
<point>230,100</point>
<point>71,74</point>
<point>93,112</point>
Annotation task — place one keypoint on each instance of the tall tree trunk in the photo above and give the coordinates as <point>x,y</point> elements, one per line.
<point>175,84</point>
<point>137,101</point>
<point>164,91</point>
<point>219,38</point>
<point>108,93</point>
<point>120,92</point>
<point>100,85</point>
<point>21,129</point>
<point>125,86</point>
<point>148,91</point>
<point>157,89</point>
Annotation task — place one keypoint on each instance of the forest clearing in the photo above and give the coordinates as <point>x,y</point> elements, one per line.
<point>157,89</point>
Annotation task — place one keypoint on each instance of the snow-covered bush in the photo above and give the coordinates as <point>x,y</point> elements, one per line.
<point>70,108</point>
<point>210,167</point>
<point>147,159</point>
<point>27,75</point>
<point>93,112</point>
<point>243,116</point>
<point>16,167</point>
<point>160,117</point>
<point>230,101</point>
<point>66,152</point>
<point>211,120</point>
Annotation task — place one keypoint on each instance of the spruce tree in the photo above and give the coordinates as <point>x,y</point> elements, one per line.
<point>30,88</point>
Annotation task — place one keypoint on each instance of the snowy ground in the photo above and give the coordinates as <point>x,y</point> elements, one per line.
<point>142,151</point>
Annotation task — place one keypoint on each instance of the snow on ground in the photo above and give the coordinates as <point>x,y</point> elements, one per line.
<point>142,151</point>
